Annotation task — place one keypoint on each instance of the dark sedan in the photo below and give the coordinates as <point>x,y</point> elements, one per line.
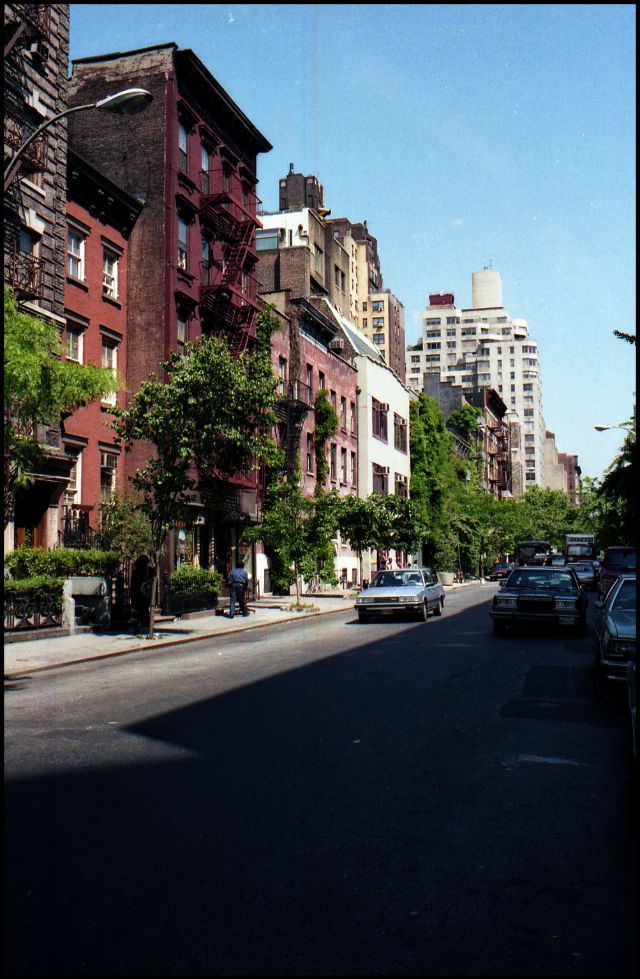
<point>614,630</point>
<point>500,570</point>
<point>551,596</point>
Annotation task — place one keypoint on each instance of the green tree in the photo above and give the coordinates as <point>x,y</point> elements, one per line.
<point>284,531</point>
<point>39,388</point>
<point>209,419</point>
<point>364,523</point>
<point>617,492</point>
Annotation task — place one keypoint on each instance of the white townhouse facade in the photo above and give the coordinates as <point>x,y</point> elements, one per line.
<point>483,346</point>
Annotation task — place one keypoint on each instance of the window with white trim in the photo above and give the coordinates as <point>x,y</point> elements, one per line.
<point>110,273</point>
<point>109,360</point>
<point>73,343</point>
<point>73,491</point>
<point>108,474</point>
<point>75,253</point>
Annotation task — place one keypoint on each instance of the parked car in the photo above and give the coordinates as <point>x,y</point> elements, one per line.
<point>632,701</point>
<point>545,595</point>
<point>556,560</point>
<point>412,591</point>
<point>617,560</point>
<point>501,569</point>
<point>614,630</point>
<point>587,574</point>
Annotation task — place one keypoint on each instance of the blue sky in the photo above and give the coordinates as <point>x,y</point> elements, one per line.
<point>462,134</point>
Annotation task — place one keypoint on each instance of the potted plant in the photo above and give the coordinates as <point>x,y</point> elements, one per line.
<point>445,558</point>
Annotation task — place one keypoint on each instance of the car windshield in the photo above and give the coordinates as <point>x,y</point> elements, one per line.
<point>557,580</point>
<point>627,561</point>
<point>397,579</point>
<point>625,599</point>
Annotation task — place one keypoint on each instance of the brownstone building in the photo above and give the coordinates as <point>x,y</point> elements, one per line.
<point>192,251</point>
<point>100,218</point>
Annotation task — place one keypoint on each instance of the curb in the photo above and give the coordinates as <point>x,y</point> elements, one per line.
<point>163,644</point>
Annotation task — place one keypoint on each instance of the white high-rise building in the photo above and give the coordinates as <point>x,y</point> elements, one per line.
<point>483,346</point>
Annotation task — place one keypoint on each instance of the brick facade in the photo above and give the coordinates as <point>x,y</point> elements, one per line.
<point>96,324</point>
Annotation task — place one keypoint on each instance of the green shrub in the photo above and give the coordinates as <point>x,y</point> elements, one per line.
<point>60,562</point>
<point>36,585</point>
<point>190,579</point>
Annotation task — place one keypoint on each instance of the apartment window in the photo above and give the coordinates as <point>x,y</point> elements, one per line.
<point>73,491</point>
<point>333,462</point>
<point>451,344</point>
<point>267,240</point>
<point>365,322</point>
<point>352,417</point>
<point>343,465</point>
<point>364,307</point>
<point>432,357</point>
<point>399,433</point>
<point>343,281</point>
<point>379,419</point>
<point>183,242</point>
<point>433,322</point>
<point>434,346</point>
<point>318,260</point>
<point>226,176</point>
<point>182,331</point>
<point>336,275</point>
<point>343,413</point>
<point>528,412</point>
<point>309,453</point>
<point>378,338</point>
<point>183,141</point>
<point>453,319</point>
<point>438,333</point>
<point>380,479</point>
<point>109,274</point>
<point>530,476</point>
<point>205,165</point>
<point>108,475</point>
<point>377,321</point>
<point>401,485</point>
<point>310,378</point>
<point>321,380</point>
<point>75,253</point>
<point>333,400</point>
<point>377,305</point>
<point>352,469</point>
<point>527,387</point>
<point>110,361</point>
<point>73,346</point>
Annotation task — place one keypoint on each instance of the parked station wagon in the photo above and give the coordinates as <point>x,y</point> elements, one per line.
<point>412,591</point>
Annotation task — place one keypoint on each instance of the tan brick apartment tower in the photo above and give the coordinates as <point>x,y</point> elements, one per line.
<point>192,252</point>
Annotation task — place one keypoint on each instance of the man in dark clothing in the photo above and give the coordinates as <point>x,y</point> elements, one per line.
<point>238,581</point>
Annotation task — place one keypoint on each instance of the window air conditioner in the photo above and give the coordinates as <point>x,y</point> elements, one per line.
<point>108,460</point>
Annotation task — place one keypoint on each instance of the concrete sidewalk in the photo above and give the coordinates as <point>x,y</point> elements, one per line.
<point>36,655</point>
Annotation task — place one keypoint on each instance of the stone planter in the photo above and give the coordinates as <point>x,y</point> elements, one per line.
<point>445,577</point>
<point>86,601</point>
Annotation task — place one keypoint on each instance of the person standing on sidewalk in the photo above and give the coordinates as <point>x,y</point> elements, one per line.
<point>238,581</point>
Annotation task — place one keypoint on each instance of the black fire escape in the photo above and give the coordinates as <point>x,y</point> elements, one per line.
<point>295,399</point>
<point>228,288</point>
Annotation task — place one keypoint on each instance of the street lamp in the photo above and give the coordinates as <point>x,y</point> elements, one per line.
<point>603,428</point>
<point>125,103</point>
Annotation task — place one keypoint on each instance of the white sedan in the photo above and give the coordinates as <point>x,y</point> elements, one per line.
<point>413,591</point>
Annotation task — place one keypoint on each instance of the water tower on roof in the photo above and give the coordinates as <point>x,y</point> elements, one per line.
<point>486,289</point>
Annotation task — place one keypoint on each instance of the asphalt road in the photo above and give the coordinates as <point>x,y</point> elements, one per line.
<point>322,798</point>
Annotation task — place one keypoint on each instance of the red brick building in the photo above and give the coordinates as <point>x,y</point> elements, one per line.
<point>193,162</point>
<point>308,353</point>
<point>100,218</point>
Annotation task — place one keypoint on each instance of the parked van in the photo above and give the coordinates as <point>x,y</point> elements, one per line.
<point>617,560</point>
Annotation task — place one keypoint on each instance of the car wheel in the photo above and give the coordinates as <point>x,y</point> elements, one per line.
<point>423,612</point>
<point>498,628</point>
<point>439,607</point>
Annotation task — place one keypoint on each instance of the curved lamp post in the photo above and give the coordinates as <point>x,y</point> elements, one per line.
<point>125,103</point>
